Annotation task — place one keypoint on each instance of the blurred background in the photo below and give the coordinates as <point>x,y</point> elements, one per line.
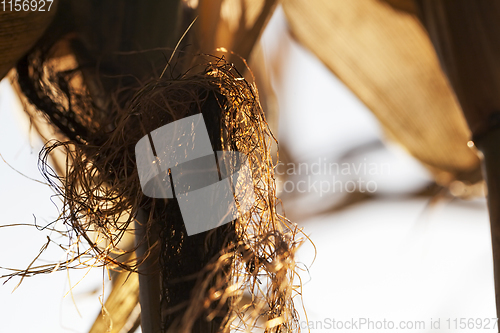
<point>387,242</point>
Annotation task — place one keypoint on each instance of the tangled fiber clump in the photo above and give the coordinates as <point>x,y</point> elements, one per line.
<point>248,280</point>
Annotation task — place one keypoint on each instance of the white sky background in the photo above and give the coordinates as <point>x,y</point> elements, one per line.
<point>38,304</point>
<point>390,258</point>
